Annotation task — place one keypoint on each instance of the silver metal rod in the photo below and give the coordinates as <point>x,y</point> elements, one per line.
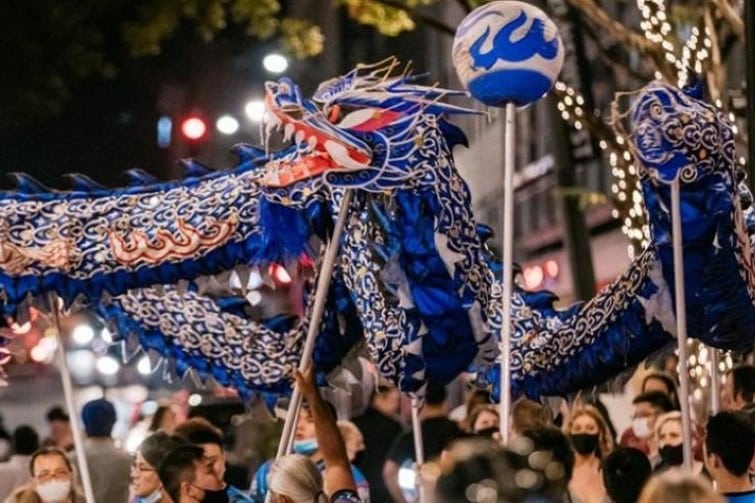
<point>321,295</point>
<point>65,377</point>
<point>419,449</point>
<point>681,322</point>
<point>508,270</point>
<point>715,381</point>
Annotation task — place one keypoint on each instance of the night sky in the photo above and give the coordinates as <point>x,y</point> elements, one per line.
<point>109,124</point>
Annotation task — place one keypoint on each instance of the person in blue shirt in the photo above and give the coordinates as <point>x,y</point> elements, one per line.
<point>296,477</point>
<point>729,448</point>
<point>201,432</point>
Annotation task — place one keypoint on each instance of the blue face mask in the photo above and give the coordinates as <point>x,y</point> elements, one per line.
<point>305,447</point>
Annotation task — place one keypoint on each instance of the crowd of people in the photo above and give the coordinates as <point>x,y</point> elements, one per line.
<point>575,456</point>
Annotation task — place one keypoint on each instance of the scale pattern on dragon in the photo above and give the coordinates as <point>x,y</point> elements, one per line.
<point>414,279</point>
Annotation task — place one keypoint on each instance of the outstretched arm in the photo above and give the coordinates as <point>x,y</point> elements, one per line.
<point>337,467</point>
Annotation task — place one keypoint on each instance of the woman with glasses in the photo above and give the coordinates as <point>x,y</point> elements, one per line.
<point>145,483</point>
<point>52,476</point>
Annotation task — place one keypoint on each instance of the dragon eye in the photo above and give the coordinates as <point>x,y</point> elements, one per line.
<point>656,111</point>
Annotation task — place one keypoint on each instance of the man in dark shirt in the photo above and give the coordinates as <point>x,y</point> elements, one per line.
<point>437,432</point>
<point>380,428</point>
<point>729,447</point>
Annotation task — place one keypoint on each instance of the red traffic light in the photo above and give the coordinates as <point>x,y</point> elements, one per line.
<point>193,128</point>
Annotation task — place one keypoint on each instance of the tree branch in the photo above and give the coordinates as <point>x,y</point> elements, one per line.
<point>465,5</point>
<point>716,74</point>
<point>600,17</point>
<point>419,17</point>
<point>608,58</point>
<point>730,14</point>
<point>630,38</point>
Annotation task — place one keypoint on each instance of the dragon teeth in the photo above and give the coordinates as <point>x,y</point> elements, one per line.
<point>288,132</point>
<point>299,137</point>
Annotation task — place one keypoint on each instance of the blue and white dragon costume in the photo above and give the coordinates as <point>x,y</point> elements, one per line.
<point>414,278</point>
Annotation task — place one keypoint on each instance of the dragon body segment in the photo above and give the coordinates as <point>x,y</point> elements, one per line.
<point>414,277</point>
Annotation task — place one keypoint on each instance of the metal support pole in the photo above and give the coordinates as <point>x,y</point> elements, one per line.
<point>749,14</point>
<point>419,449</point>
<point>65,377</point>
<point>715,381</point>
<point>321,296</point>
<point>508,270</point>
<point>681,322</point>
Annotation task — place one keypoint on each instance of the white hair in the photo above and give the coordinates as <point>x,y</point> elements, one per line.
<point>296,477</point>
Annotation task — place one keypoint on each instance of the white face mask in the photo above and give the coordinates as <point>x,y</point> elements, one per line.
<point>641,427</point>
<point>54,491</point>
<point>155,497</point>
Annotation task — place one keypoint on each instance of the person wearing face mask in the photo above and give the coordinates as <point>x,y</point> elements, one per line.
<point>484,420</point>
<point>199,431</point>
<point>295,479</point>
<point>305,443</point>
<point>145,482</point>
<point>52,476</point>
<point>646,409</point>
<point>591,442</point>
<point>670,440</point>
<point>186,475</point>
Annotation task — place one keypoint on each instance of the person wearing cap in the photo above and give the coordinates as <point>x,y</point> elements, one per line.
<point>109,467</point>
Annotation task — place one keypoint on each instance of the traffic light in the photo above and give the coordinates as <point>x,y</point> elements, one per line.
<point>193,128</point>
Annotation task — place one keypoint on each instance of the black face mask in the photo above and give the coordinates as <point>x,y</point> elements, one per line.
<point>584,443</point>
<point>359,458</point>
<point>215,496</point>
<point>672,454</point>
<point>488,432</point>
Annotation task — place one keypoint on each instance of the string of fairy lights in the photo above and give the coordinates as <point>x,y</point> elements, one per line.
<point>626,189</point>
<point>626,193</point>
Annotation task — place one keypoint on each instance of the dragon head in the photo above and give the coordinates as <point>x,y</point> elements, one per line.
<point>677,134</point>
<point>368,129</point>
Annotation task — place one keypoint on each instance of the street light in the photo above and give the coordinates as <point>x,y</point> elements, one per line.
<point>164,131</point>
<point>227,125</point>
<point>82,334</point>
<point>275,63</point>
<point>144,367</point>
<point>255,110</point>
<point>193,128</point>
<point>107,365</point>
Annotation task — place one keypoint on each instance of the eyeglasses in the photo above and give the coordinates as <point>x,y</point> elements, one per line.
<point>139,467</point>
<point>46,475</point>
